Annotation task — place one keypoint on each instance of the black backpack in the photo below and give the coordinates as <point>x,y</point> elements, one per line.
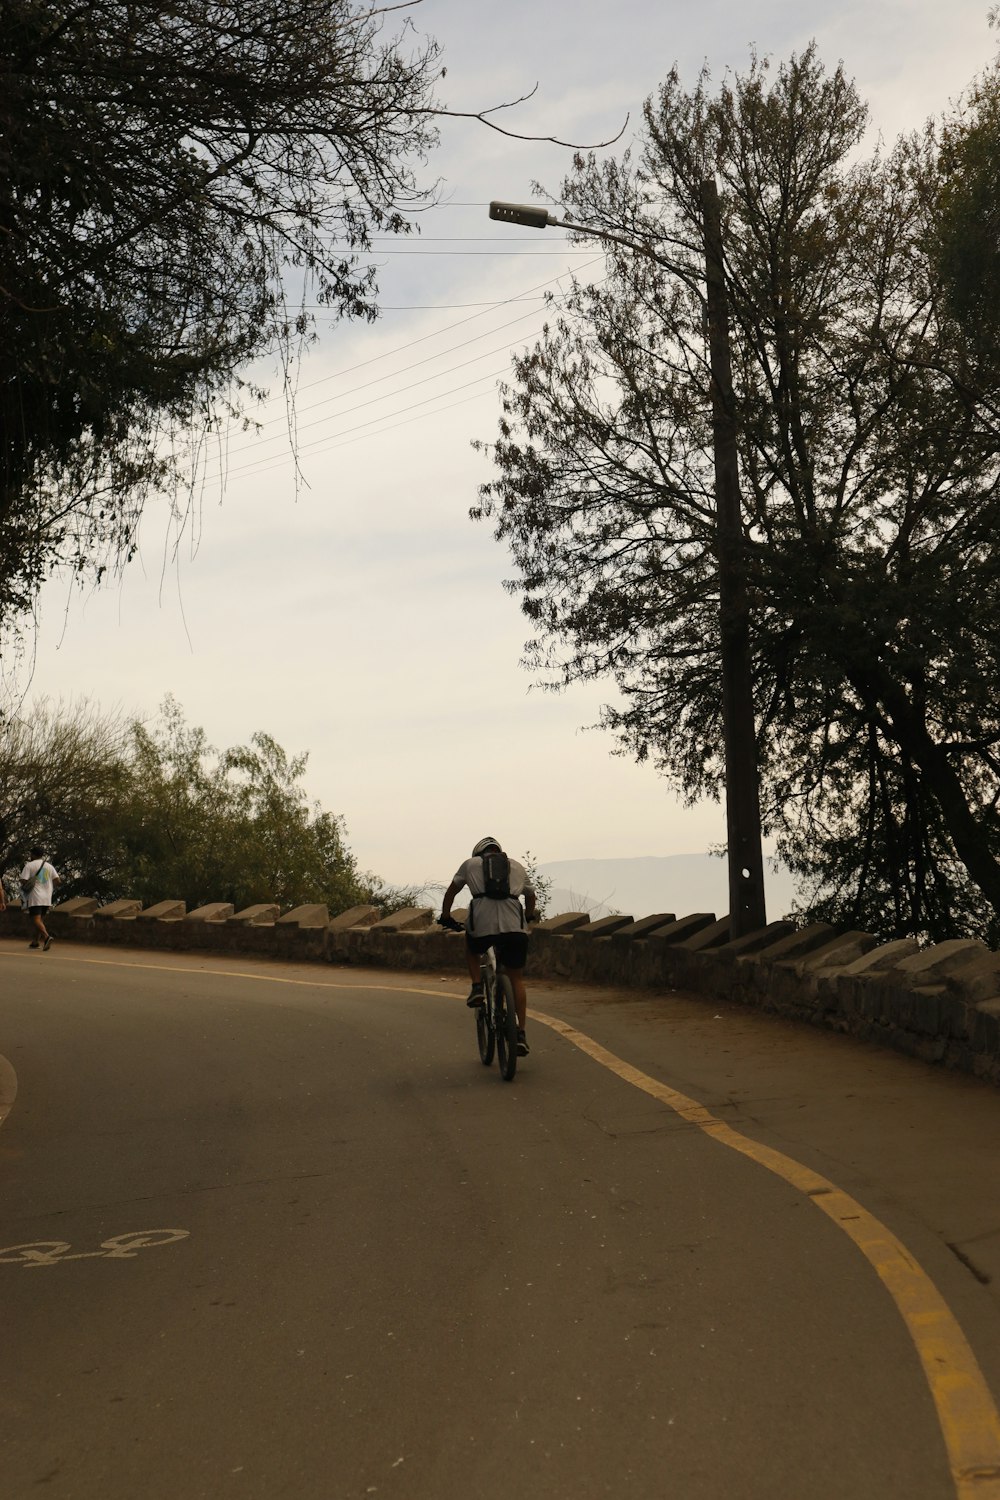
<point>496,876</point>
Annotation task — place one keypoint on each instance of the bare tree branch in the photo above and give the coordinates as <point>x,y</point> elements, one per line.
<point>516,135</point>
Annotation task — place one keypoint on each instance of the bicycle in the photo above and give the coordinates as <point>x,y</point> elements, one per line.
<point>496,1018</point>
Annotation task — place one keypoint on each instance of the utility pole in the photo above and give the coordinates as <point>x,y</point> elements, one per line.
<point>746,861</point>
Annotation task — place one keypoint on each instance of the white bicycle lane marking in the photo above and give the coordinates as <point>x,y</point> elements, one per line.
<point>118,1247</point>
<point>55,1252</point>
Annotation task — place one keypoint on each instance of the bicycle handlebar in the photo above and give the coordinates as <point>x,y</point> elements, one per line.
<point>450,925</point>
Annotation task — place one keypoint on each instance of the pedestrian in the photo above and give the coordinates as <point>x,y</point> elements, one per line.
<point>38,880</point>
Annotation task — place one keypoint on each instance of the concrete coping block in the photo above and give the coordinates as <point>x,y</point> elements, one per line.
<point>213,911</point>
<point>978,980</point>
<point>644,926</point>
<point>312,914</point>
<point>118,910</point>
<point>566,921</point>
<point>354,916</point>
<point>841,950</point>
<point>162,910</point>
<point>796,943</point>
<point>683,928</point>
<point>407,920</point>
<point>940,959</point>
<point>755,942</point>
<point>989,1007</point>
<point>882,957</point>
<point>714,935</point>
<point>262,913</point>
<point>603,926</point>
<point>77,906</point>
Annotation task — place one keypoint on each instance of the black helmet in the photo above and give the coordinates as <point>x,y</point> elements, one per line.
<point>487,843</point>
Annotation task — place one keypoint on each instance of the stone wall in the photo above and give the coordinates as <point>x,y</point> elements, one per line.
<point>940,1003</point>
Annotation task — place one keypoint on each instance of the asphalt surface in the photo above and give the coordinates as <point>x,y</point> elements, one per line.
<point>273,1231</point>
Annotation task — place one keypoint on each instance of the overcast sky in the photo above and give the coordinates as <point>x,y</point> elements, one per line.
<point>364,620</point>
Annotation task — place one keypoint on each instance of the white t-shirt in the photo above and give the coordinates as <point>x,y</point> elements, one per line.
<point>487,915</point>
<point>41,892</point>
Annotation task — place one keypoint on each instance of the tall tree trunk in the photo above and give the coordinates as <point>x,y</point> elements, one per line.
<point>909,729</point>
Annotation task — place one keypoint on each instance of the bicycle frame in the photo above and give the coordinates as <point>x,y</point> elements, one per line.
<point>488,965</point>
<point>496,1019</point>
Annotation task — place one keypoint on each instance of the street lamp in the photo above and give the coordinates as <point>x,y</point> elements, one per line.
<point>747,910</point>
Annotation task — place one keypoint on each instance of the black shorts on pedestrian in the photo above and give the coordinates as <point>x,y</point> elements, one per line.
<point>511,948</point>
<point>37,911</point>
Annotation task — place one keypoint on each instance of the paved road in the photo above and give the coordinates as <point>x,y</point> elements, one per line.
<point>311,1248</point>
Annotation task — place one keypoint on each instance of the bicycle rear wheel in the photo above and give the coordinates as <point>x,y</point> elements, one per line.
<point>506,1029</point>
<point>485,1034</point>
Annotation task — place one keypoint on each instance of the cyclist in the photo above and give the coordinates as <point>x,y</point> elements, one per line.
<point>495,921</point>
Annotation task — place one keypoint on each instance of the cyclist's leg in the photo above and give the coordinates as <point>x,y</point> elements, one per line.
<point>516,977</point>
<point>512,951</point>
<point>474,962</point>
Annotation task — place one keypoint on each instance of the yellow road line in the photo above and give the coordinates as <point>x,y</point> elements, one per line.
<point>968,1416</point>
<point>312,984</point>
<point>970,1422</point>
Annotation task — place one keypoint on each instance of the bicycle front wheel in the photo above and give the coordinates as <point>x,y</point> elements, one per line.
<point>506,1029</point>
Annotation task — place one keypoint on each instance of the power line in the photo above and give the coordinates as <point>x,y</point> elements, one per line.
<point>317,446</point>
<point>467,239</point>
<point>346,442</point>
<point>268,463</point>
<point>521,254</point>
<point>417,363</point>
<point>372,400</point>
<point>424,337</point>
<point>438,306</point>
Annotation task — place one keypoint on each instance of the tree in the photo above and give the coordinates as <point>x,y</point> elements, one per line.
<point>232,826</point>
<point>966,230</point>
<point>870,486</point>
<point>168,174</point>
<point>152,811</point>
<point>540,884</point>
<point>64,784</point>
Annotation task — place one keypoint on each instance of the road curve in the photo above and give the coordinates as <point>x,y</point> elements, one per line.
<point>274,1230</point>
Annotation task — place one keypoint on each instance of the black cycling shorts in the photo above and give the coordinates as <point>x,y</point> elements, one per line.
<point>511,948</point>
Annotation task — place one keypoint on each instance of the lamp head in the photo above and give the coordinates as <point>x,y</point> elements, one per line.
<point>521,213</point>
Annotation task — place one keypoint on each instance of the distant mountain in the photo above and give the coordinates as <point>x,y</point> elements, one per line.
<point>681,883</point>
